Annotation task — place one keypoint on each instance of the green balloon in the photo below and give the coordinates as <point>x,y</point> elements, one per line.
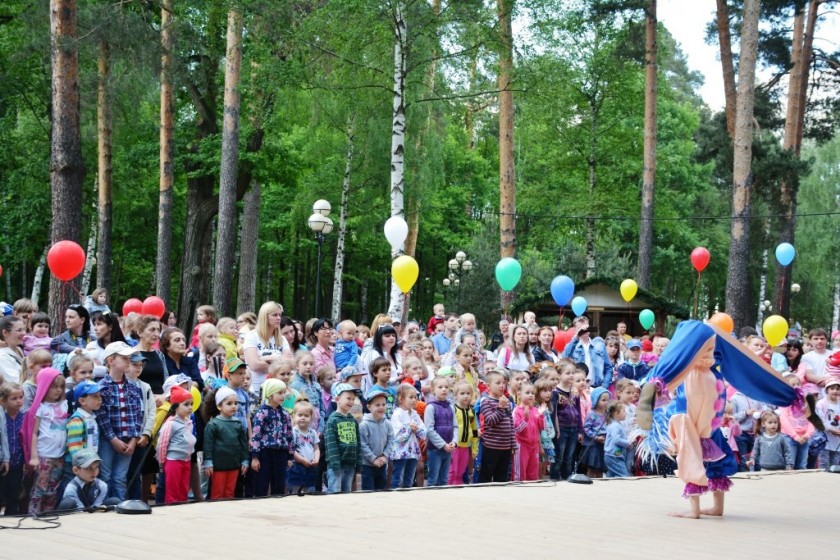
<point>508,273</point>
<point>647,318</point>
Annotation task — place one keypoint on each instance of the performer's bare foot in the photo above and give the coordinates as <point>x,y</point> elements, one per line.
<point>695,509</point>
<point>711,511</point>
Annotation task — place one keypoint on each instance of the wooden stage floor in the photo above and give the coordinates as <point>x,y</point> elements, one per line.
<point>785,515</point>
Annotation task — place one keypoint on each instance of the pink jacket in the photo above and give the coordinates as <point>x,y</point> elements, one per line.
<point>528,429</point>
<point>795,426</point>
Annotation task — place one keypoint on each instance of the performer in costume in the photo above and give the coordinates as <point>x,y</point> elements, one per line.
<point>693,367</point>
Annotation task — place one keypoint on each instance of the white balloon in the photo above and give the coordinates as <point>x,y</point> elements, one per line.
<point>396,231</point>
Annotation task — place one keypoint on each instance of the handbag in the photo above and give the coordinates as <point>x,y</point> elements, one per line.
<point>817,443</point>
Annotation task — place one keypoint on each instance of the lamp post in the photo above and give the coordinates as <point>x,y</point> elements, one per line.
<point>460,267</point>
<point>794,289</point>
<point>320,223</point>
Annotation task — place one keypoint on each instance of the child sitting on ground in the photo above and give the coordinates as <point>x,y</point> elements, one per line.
<point>85,491</point>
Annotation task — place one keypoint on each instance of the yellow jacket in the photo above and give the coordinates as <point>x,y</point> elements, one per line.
<point>466,428</point>
<point>229,345</point>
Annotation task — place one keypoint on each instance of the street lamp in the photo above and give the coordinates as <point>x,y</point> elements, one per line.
<point>459,267</point>
<point>320,223</point>
<point>794,289</point>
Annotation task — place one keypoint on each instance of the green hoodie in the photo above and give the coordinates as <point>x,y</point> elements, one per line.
<point>225,444</point>
<point>342,442</point>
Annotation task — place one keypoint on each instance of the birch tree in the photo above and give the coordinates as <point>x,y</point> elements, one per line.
<point>507,172</point>
<point>649,172</point>
<point>163,265</point>
<point>338,284</point>
<point>104,167</point>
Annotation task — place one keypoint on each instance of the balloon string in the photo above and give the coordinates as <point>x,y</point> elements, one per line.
<point>782,292</point>
<point>697,295</point>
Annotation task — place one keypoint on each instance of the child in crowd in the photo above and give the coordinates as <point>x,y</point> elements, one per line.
<point>595,433</point>
<point>346,352</point>
<point>97,301</point>
<point>796,428</point>
<point>228,336</point>
<point>305,382</point>
<point>141,485</point>
<point>466,436</point>
<point>85,490</point>
<point>633,367</point>
<point>543,389</point>
<point>497,438</point>
<point>353,378</point>
<point>380,371</point>
<point>326,378</point>
<point>341,436</point>
<point>528,422</point>
<point>566,408</point>
<point>583,390</point>
<point>304,471</point>
<point>771,451</point>
<point>616,444</point>
<point>408,431</point>
<point>464,368</point>
<point>204,314</point>
<point>44,440</point>
<point>377,442</point>
<point>282,370</point>
<point>39,338</point>
<point>731,429</point>
<point>120,418</point>
<point>175,445</point>
<point>81,369</point>
<point>440,433</point>
<point>414,373</point>
<point>214,364</point>
<point>627,392</point>
<point>23,309</point>
<point>235,374</point>
<point>82,430</point>
<point>32,364</point>
<point>11,473</point>
<point>272,444</point>
<point>225,443</point>
<point>439,316</point>
<point>828,409</point>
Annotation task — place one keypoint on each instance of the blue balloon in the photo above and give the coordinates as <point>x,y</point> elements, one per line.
<point>785,253</point>
<point>562,290</point>
<point>579,305</point>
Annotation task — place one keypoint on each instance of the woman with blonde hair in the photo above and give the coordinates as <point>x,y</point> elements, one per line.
<point>264,345</point>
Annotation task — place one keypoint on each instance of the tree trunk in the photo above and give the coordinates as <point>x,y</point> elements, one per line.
<point>103,129</point>
<point>67,168</point>
<point>198,234</point>
<point>593,179</point>
<point>338,281</point>
<point>835,311</point>
<point>737,282</point>
<point>39,276</point>
<point>163,266</point>
<point>649,172</point>
<point>395,307</point>
<point>507,173</point>
<point>725,41</point>
<point>246,293</point>
<point>802,50</point>
<point>90,259</point>
<point>226,239</point>
<point>762,285</point>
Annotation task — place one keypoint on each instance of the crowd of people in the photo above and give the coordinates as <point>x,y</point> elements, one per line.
<point>115,408</point>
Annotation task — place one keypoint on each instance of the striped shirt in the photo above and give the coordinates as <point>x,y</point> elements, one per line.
<point>498,425</point>
<point>82,433</point>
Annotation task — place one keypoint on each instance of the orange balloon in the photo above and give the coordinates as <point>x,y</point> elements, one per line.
<point>723,321</point>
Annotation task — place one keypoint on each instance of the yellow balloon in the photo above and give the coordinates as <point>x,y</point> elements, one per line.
<point>405,271</point>
<point>196,395</point>
<point>628,289</point>
<point>775,329</point>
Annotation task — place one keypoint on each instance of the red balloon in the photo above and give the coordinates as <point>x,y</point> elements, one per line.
<point>132,305</point>
<point>153,305</point>
<point>1,271</point>
<point>66,260</point>
<point>700,258</point>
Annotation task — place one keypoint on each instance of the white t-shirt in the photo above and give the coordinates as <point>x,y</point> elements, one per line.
<point>252,340</point>
<point>52,437</point>
<point>816,361</point>
<point>519,361</point>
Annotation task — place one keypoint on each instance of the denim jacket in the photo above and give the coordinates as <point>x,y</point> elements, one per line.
<point>601,371</point>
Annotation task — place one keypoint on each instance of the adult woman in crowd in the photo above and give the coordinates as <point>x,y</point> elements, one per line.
<point>290,333</point>
<point>265,345</point>
<point>12,331</point>
<point>106,328</point>
<point>154,373</point>
<point>77,335</point>
<point>322,351</point>
<point>169,319</point>
<point>516,354</point>
<point>613,345</point>
<point>545,352</point>
<point>179,359</point>
<point>384,345</point>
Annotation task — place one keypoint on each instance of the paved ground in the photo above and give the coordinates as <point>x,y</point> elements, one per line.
<point>785,515</point>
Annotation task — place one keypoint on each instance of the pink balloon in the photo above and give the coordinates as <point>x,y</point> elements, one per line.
<point>153,305</point>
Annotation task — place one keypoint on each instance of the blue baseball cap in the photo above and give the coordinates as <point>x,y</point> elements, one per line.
<point>84,389</point>
<point>339,388</point>
<point>634,343</point>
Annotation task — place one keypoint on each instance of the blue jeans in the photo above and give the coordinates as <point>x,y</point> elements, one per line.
<point>340,481</point>
<point>616,466</point>
<point>800,453</point>
<point>745,446</point>
<point>564,453</point>
<point>404,471</point>
<point>113,469</point>
<point>438,461</point>
<point>374,478</point>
